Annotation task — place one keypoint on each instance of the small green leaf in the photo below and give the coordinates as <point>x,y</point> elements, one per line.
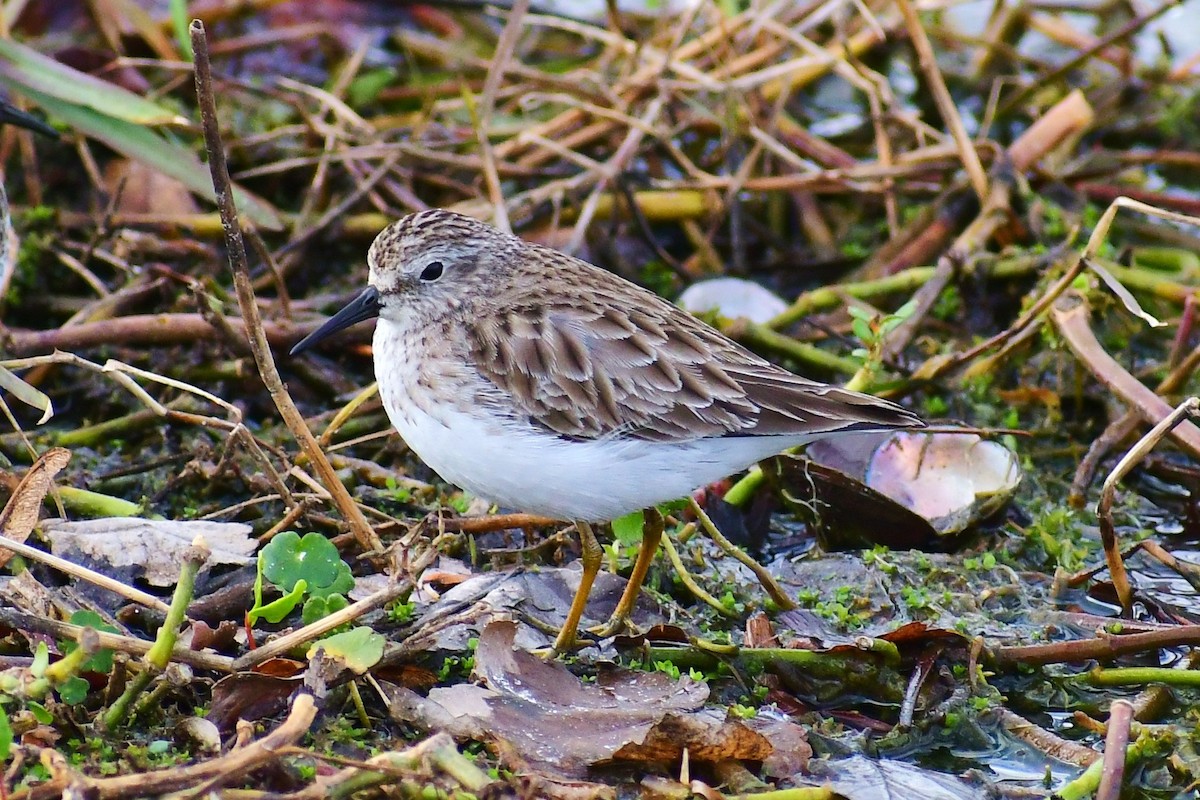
<point>102,660</point>
<point>905,311</point>
<point>73,690</point>
<point>316,608</point>
<point>29,72</point>
<point>674,506</point>
<point>276,610</point>
<point>628,529</point>
<point>360,648</point>
<point>39,712</point>
<point>862,329</point>
<point>287,559</point>
<point>858,312</point>
<point>6,736</point>
<point>343,582</point>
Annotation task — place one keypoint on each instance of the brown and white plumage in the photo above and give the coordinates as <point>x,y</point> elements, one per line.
<point>604,357</point>
<point>549,385</point>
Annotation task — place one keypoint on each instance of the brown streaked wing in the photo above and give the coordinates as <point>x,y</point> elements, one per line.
<point>614,359</point>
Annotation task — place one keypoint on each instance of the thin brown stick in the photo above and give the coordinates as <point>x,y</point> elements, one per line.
<point>945,103</point>
<point>39,623</point>
<point>1102,648</point>
<point>500,60</point>
<point>993,215</point>
<point>81,572</point>
<point>1070,317</point>
<point>150,330</point>
<point>359,526</point>
<point>1043,740</point>
<point>1108,531</point>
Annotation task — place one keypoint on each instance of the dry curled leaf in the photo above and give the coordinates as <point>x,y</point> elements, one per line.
<point>21,512</point>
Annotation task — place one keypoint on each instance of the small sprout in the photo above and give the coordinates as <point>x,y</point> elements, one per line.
<point>316,608</point>
<point>74,689</point>
<point>743,712</point>
<point>102,660</point>
<point>401,613</point>
<point>667,667</point>
<point>729,600</point>
<point>935,406</point>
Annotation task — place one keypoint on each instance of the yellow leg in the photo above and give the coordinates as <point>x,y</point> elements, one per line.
<point>651,537</point>
<point>592,556</point>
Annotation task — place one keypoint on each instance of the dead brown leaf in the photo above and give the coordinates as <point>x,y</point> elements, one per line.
<point>538,715</point>
<point>144,190</point>
<point>21,512</point>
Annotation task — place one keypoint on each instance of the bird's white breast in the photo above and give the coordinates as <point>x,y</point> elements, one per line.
<point>518,466</point>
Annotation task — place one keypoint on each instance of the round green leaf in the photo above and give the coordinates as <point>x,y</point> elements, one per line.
<point>360,648</point>
<point>288,558</point>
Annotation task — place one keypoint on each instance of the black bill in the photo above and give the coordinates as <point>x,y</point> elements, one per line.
<point>365,306</point>
<point>15,116</point>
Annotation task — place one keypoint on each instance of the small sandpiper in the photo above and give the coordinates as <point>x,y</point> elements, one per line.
<point>545,384</point>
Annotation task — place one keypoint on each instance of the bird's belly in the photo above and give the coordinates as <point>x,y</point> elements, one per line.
<point>538,473</point>
<point>516,465</point>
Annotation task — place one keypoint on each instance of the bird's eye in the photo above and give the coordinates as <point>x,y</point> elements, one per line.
<point>432,272</point>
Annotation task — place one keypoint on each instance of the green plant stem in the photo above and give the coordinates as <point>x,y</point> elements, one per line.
<point>118,428</point>
<point>740,493</point>
<point>828,297</point>
<point>438,751</point>
<point>457,766</point>
<point>774,590</point>
<point>688,581</point>
<point>809,662</point>
<point>1087,783</point>
<point>179,22</point>
<point>1138,676</point>
<point>159,654</point>
<point>93,504</point>
<point>69,665</point>
<point>763,337</point>
<point>907,280</point>
<point>359,708</point>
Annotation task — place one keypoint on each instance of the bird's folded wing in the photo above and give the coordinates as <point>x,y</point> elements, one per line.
<point>597,369</point>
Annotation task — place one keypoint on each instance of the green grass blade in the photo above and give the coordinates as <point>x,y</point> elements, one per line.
<point>142,144</point>
<point>26,70</point>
